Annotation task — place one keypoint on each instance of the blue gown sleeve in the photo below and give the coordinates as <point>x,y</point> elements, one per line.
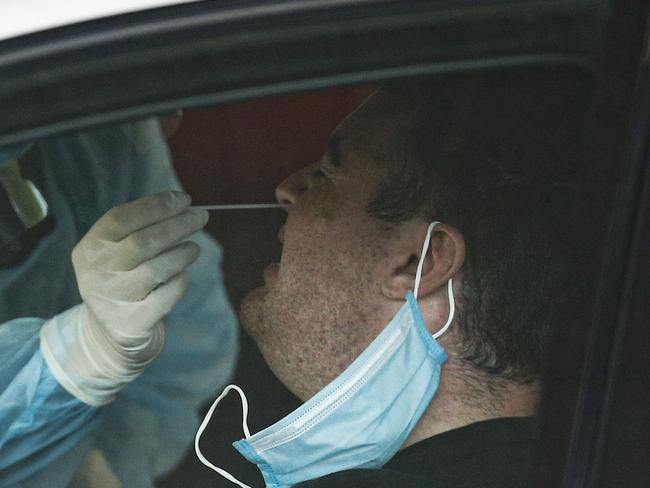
<point>40,422</point>
<point>45,432</point>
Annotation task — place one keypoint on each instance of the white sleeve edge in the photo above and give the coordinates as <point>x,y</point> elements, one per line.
<point>68,320</point>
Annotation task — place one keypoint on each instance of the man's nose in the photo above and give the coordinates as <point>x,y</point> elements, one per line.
<point>291,188</point>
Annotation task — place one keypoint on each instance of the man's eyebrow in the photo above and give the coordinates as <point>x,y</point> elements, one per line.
<point>333,151</point>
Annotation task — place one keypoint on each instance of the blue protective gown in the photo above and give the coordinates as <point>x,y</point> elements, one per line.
<point>45,432</point>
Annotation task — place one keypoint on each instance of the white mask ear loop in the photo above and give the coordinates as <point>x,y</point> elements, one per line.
<point>204,424</point>
<point>450,286</point>
<point>452,309</point>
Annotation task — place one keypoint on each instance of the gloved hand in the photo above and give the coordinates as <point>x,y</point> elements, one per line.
<point>130,270</point>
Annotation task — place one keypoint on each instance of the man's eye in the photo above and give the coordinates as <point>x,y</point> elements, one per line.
<point>318,178</point>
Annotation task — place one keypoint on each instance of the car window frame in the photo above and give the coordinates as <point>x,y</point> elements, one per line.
<point>621,324</point>
<point>144,48</point>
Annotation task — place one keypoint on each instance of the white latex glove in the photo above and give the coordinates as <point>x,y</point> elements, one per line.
<point>130,270</point>
<point>130,265</point>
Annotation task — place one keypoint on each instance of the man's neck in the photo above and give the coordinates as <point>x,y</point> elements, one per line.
<point>459,402</point>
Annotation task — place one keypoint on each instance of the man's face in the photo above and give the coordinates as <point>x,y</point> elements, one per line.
<point>322,304</point>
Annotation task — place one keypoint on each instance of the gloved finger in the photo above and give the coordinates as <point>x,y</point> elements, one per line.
<point>130,217</point>
<point>155,239</point>
<point>145,314</point>
<point>161,300</point>
<point>154,272</point>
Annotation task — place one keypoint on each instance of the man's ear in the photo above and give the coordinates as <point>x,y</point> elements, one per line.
<point>444,258</point>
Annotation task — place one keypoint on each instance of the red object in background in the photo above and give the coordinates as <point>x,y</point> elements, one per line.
<point>240,153</point>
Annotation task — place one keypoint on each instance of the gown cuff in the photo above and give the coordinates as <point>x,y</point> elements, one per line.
<point>73,366</point>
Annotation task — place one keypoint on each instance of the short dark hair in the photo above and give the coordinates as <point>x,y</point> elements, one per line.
<point>496,155</point>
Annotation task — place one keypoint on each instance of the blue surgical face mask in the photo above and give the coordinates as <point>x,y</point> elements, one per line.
<point>362,418</point>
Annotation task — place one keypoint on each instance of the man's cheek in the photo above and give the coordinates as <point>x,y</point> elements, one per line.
<point>301,255</point>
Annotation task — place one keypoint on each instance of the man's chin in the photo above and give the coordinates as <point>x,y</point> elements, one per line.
<point>251,315</point>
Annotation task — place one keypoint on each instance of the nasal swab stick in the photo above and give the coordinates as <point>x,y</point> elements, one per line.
<point>243,206</point>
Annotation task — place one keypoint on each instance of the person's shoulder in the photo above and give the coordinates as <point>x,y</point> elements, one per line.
<point>366,478</point>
